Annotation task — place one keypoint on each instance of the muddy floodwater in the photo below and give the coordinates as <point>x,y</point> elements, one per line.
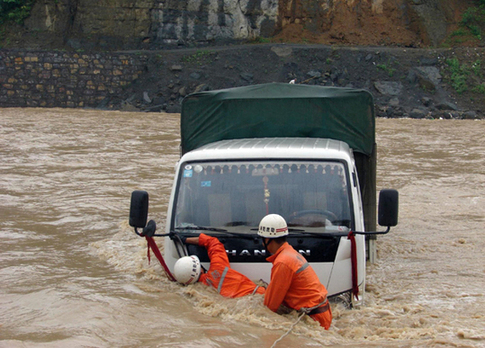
<point>74,274</point>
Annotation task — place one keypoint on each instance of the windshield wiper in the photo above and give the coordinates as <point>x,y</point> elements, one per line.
<point>295,230</point>
<point>224,233</point>
<point>203,228</point>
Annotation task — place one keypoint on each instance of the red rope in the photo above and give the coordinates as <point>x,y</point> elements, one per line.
<point>353,259</point>
<point>152,245</point>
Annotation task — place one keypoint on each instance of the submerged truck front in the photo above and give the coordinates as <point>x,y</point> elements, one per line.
<point>285,149</point>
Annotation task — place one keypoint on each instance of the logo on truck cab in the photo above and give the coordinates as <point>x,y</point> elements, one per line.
<point>256,252</point>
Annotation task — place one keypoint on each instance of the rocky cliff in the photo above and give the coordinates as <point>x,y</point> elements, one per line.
<point>156,24</point>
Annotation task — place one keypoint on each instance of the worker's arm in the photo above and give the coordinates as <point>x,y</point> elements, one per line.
<point>192,240</point>
<point>275,294</point>
<point>215,249</point>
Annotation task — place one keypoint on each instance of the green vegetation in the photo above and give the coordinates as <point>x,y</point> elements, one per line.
<point>260,39</point>
<point>477,67</point>
<point>15,10</point>
<point>479,89</point>
<point>199,57</point>
<point>472,25</point>
<point>473,20</point>
<point>387,68</point>
<point>463,77</point>
<point>458,75</point>
<point>459,36</point>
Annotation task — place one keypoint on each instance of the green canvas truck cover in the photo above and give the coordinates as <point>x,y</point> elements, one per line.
<point>279,110</point>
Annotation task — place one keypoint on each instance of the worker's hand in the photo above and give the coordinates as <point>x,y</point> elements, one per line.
<point>191,240</point>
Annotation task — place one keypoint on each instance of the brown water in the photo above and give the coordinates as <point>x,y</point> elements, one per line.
<point>73,273</point>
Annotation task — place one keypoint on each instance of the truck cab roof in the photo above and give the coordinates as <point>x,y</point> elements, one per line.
<point>264,148</point>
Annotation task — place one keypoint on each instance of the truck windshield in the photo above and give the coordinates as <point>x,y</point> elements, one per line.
<point>235,196</point>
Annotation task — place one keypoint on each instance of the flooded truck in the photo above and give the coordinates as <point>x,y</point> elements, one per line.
<point>307,153</point>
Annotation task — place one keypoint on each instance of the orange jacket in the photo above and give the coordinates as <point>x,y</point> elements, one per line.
<point>234,284</point>
<point>295,284</point>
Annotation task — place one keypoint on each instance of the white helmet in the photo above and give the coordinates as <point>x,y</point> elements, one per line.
<point>187,269</point>
<point>273,226</point>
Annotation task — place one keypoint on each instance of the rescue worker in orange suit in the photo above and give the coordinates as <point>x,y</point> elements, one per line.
<point>227,282</point>
<point>293,282</point>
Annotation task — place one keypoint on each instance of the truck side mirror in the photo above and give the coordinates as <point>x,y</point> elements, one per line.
<point>139,209</point>
<point>388,207</point>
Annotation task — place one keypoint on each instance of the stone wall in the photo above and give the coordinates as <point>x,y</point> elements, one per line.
<point>405,82</point>
<point>61,79</point>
